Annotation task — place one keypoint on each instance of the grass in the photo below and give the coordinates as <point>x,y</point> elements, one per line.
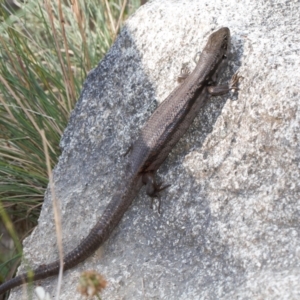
<point>46,50</point>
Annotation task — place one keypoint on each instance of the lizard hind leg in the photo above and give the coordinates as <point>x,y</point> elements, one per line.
<point>153,188</point>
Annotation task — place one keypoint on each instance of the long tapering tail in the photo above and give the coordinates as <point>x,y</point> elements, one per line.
<point>97,236</point>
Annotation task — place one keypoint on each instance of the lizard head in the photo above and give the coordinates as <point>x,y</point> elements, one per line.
<point>219,41</point>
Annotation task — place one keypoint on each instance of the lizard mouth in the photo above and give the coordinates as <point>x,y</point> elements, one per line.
<point>225,43</point>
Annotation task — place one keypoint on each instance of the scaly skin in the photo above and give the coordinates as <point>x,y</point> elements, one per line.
<point>157,138</point>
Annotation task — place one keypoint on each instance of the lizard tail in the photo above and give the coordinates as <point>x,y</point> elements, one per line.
<point>90,244</point>
<point>39,273</point>
<point>97,236</point>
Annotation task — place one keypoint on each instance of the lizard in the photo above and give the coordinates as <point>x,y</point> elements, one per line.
<point>156,139</point>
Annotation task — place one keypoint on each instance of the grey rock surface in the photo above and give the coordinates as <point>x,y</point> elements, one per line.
<point>230,222</point>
